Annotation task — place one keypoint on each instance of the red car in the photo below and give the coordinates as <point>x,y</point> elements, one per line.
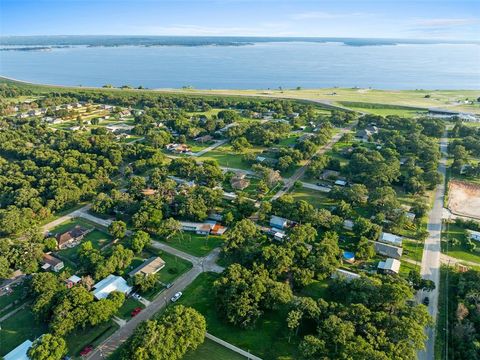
<point>136,311</point>
<point>86,350</point>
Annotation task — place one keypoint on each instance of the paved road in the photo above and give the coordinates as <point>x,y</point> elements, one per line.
<point>60,220</point>
<point>301,171</point>
<point>210,148</point>
<point>430,268</point>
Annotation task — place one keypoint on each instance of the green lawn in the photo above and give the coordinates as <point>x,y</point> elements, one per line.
<point>18,328</point>
<point>70,224</point>
<point>128,306</point>
<point>268,339</point>
<point>413,249</point>
<point>405,268</point>
<point>98,239</point>
<point>80,338</point>
<point>317,289</point>
<point>174,266</point>
<point>197,245</point>
<point>460,252</point>
<point>440,337</point>
<point>17,297</point>
<point>314,197</point>
<point>210,350</point>
<point>225,156</point>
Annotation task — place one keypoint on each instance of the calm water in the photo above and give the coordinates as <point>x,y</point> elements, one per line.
<point>261,65</point>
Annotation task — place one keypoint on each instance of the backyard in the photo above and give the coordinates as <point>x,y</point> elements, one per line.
<point>194,244</point>
<point>268,339</point>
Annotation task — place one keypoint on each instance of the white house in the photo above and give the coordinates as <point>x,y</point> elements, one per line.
<point>391,239</point>
<point>111,283</point>
<point>348,224</point>
<point>474,235</point>
<point>389,266</point>
<point>340,182</point>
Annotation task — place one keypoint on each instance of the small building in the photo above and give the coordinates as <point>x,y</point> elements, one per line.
<point>340,182</point>
<point>279,235</point>
<point>178,148</point>
<point>389,266</point>
<point>391,239</point>
<point>149,267</point>
<point>20,352</point>
<point>209,227</point>
<point>110,284</point>
<point>71,237</point>
<point>73,280</point>
<point>204,139</point>
<point>149,192</point>
<point>218,229</point>
<point>239,182</point>
<point>50,262</point>
<point>388,250</point>
<point>349,257</point>
<point>278,222</point>
<point>474,235</point>
<point>348,275</point>
<point>348,224</point>
<point>410,216</point>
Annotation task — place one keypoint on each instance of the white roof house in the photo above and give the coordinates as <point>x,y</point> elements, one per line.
<point>340,182</point>
<point>474,235</point>
<point>389,266</point>
<point>111,283</point>
<point>74,279</point>
<point>348,224</point>
<point>20,352</point>
<point>391,239</point>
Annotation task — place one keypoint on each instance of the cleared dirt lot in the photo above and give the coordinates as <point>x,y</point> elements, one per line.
<point>464,198</point>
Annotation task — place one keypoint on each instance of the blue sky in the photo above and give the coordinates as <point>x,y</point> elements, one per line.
<point>439,19</point>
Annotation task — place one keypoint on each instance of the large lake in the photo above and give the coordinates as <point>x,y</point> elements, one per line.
<point>260,65</point>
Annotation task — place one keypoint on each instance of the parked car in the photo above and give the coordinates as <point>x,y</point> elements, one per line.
<point>176,296</point>
<point>86,350</point>
<point>426,301</point>
<point>136,311</point>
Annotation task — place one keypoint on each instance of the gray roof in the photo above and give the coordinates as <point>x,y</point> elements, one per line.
<point>388,250</point>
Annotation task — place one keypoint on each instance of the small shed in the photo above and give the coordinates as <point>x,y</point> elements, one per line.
<point>278,222</point>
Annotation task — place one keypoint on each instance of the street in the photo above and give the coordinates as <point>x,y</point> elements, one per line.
<point>430,268</point>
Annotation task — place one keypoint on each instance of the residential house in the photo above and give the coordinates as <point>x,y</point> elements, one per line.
<point>348,224</point>
<point>208,227</point>
<point>340,182</point>
<point>348,275</point>
<point>111,283</point>
<point>150,266</point>
<point>178,148</point>
<point>365,134</point>
<point>50,262</point>
<point>73,280</point>
<point>278,222</point>
<point>239,181</point>
<point>389,266</point>
<point>390,251</point>
<point>391,239</point>
<point>71,237</point>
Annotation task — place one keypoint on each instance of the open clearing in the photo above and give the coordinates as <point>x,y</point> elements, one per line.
<point>464,199</point>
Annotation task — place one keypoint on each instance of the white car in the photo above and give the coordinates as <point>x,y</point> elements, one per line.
<point>176,296</point>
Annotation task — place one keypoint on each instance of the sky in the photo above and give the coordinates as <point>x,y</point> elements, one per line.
<point>422,19</point>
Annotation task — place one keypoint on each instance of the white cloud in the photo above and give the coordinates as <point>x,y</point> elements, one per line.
<point>444,22</point>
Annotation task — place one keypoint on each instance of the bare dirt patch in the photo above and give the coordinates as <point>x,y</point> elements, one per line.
<point>464,198</point>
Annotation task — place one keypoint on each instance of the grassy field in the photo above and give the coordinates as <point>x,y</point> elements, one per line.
<point>80,338</point>
<point>268,339</point>
<point>210,350</point>
<point>314,197</point>
<point>17,297</point>
<point>458,251</point>
<point>414,98</point>
<point>174,266</point>
<point>226,156</point>
<point>18,328</point>
<point>440,337</point>
<point>197,245</point>
<point>98,239</point>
